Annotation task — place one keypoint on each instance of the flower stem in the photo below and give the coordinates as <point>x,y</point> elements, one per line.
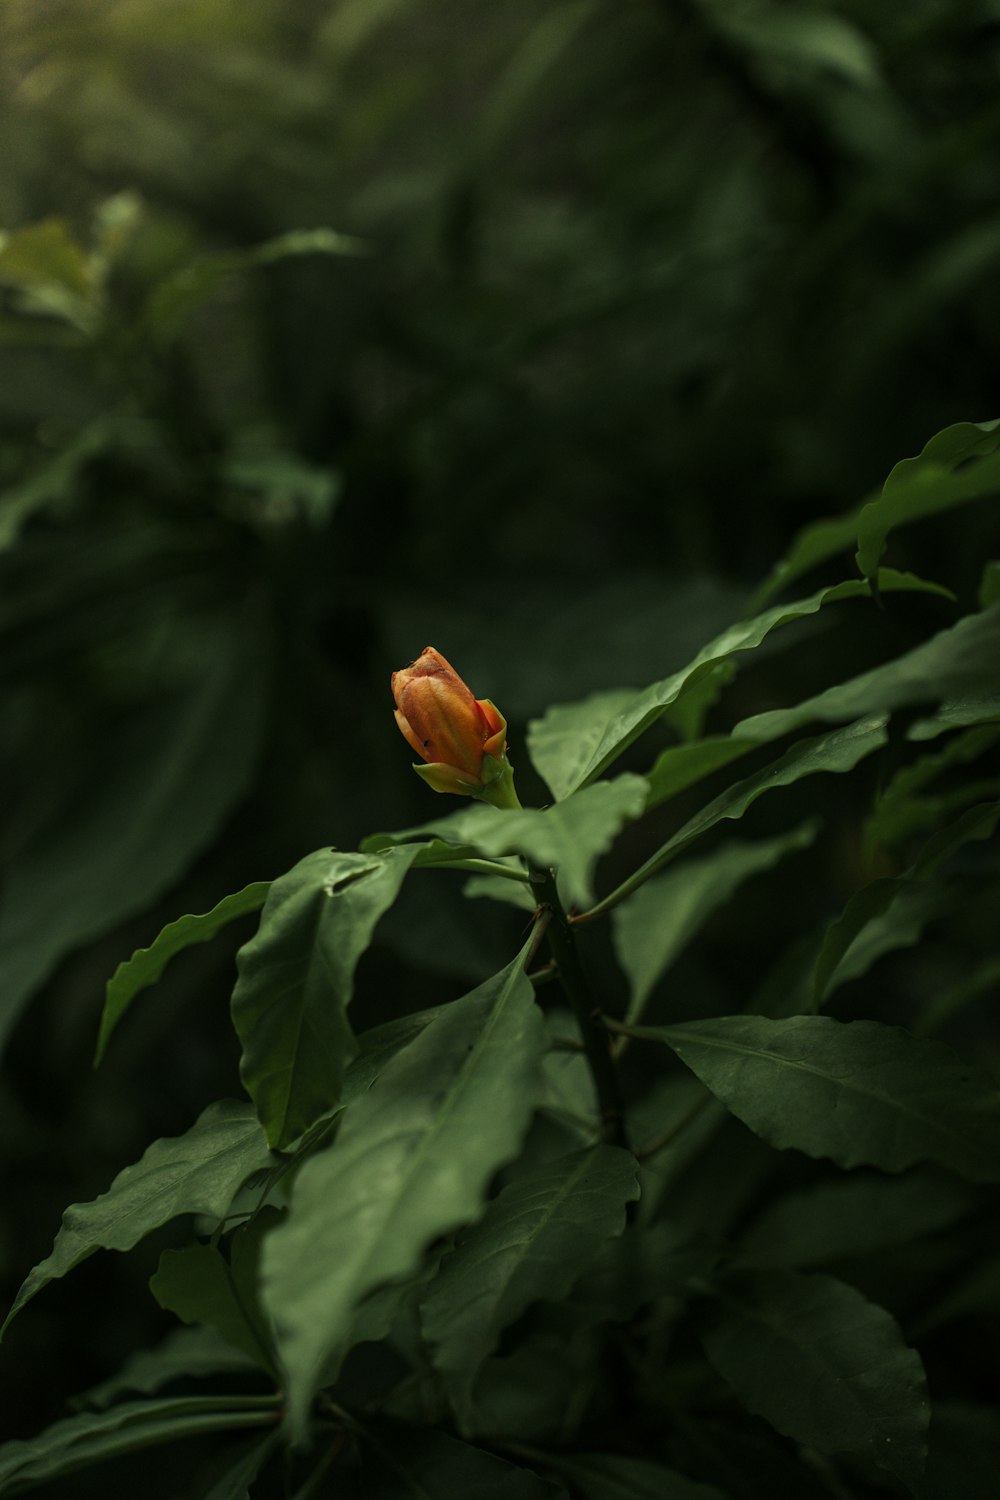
<point>593,1032</point>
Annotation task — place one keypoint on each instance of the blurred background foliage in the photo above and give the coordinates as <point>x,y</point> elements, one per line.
<point>333,328</point>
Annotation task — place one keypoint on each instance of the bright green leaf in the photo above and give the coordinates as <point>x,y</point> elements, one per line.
<point>147,964</point>
<point>568,837</point>
<point>858,1092</point>
<point>823,1365</point>
<point>296,978</point>
<point>195,1173</point>
<point>535,1238</point>
<point>412,1161</point>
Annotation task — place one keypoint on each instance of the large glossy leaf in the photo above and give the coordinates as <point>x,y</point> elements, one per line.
<point>401,1462</point>
<point>411,1161</point>
<point>858,1092</point>
<point>610,1476</point>
<point>173,776</point>
<point>94,1437</point>
<point>296,978</point>
<point>958,465</point>
<point>195,1173</point>
<point>568,837</point>
<point>854,1216</point>
<point>823,1365</point>
<point>655,925</point>
<point>536,1237</point>
<point>955,662</point>
<point>147,964</point>
<point>575,743</point>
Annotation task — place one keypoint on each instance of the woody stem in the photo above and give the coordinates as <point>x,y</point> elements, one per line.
<point>593,1033</point>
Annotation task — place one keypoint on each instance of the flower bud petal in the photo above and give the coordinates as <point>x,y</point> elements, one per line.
<point>442,721</point>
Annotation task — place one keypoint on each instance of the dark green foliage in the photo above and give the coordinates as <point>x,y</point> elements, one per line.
<point>586,342</point>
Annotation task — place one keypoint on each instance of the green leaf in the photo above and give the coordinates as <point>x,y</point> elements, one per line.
<point>575,743</point>
<point>655,925</point>
<point>496,888</point>
<point>858,1092</point>
<point>173,775</point>
<point>836,751</point>
<point>681,766</point>
<point>234,1484</point>
<point>416,1463</point>
<point>92,1437</point>
<point>199,1285</point>
<point>170,303</point>
<point>823,1365</point>
<point>989,584</point>
<point>905,808</point>
<point>802,40</point>
<point>542,1231</point>
<point>185,1353</point>
<point>54,480</point>
<point>195,1173</point>
<point>296,978</point>
<point>958,465</point>
<point>568,837</point>
<point>875,900</point>
<point>412,1161</point>
<point>814,544</point>
<point>882,918</point>
<point>607,1476</point>
<point>51,273</point>
<point>952,663</point>
<point>147,964</point>
<point>853,1217</point>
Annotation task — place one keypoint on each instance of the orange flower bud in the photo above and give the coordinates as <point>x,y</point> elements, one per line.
<point>462,739</point>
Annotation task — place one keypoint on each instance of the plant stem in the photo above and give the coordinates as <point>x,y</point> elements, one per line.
<point>593,1032</point>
